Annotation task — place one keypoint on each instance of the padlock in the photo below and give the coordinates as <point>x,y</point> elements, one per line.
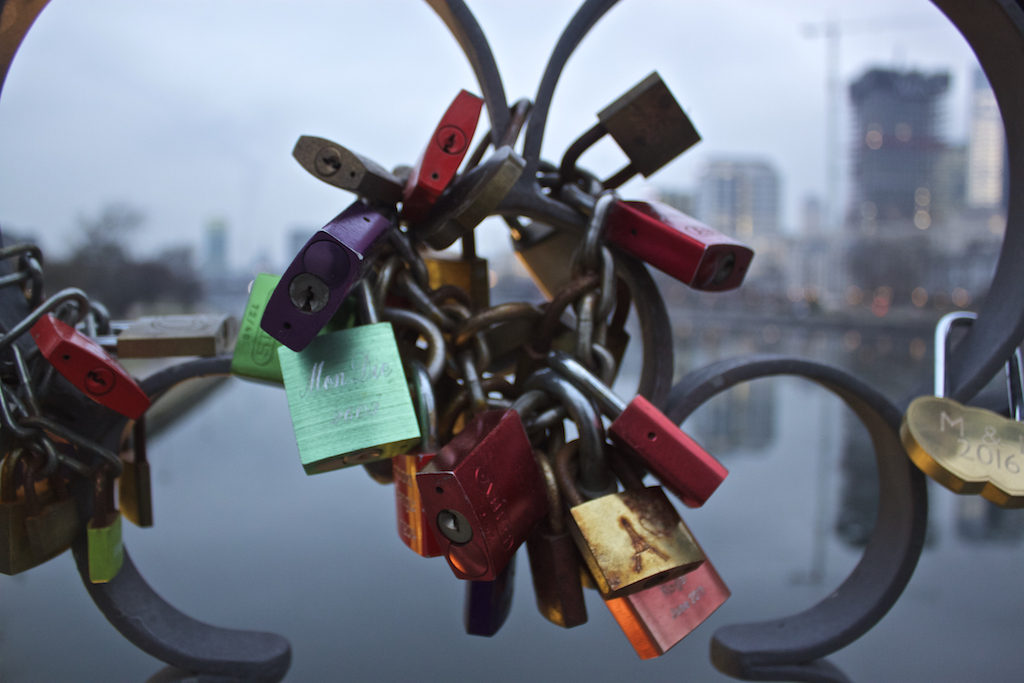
<point>440,160</point>
<point>647,124</point>
<point>544,252</point>
<point>487,604</point>
<point>630,540</point>
<point>200,334</point>
<point>471,275</point>
<point>348,399</point>
<point>471,198</point>
<point>555,563</point>
<point>321,275</point>
<point>657,618</point>
<point>484,494</point>
<point>104,542</point>
<point>255,354</point>
<point>968,450</point>
<point>676,244</point>
<point>678,461</point>
<point>35,526</point>
<point>341,167</point>
<point>86,365</point>
<point>413,525</point>
<point>135,489</point>
<point>54,523</point>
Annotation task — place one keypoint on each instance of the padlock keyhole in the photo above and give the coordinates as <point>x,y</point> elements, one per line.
<point>651,436</point>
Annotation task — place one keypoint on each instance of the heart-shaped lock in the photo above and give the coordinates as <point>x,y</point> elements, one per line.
<point>968,450</point>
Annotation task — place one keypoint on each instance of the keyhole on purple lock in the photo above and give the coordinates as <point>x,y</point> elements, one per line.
<point>308,293</point>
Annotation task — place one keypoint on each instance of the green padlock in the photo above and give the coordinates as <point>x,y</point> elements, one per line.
<point>255,355</point>
<point>348,399</point>
<point>105,546</point>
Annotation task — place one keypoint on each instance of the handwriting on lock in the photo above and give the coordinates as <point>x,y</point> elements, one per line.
<point>973,450</point>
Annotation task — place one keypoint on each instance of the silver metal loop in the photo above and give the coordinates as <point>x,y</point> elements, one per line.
<point>1015,385</point>
<point>422,388</point>
<point>585,323</point>
<point>593,240</point>
<point>942,330</point>
<point>63,296</point>
<point>436,347</point>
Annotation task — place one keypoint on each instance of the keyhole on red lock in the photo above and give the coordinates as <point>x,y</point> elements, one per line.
<point>651,436</point>
<point>99,381</point>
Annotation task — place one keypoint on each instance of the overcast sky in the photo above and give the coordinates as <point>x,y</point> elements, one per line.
<point>189,108</point>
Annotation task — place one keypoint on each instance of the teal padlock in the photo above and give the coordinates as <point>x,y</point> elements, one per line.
<point>103,534</point>
<point>348,399</point>
<point>255,355</point>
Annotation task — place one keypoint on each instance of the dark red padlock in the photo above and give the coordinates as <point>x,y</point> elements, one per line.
<point>440,161</point>
<point>679,462</point>
<point>484,494</point>
<point>84,363</point>
<point>681,246</point>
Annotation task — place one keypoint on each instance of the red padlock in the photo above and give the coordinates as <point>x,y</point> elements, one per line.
<point>92,370</point>
<point>440,161</point>
<point>681,464</point>
<point>484,494</point>
<point>681,246</point>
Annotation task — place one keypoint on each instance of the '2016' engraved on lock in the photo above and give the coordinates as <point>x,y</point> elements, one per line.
<point>988,451</point>
<point>354,413</point>
<point>498,507</point>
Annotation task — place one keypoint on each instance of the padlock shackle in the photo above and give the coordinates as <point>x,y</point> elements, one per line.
<point>435,340</point>
<point>422,390</point>
<point>64,295</point>
<point>595,478</point>
<point>574,371</point>
<point>942,330</point>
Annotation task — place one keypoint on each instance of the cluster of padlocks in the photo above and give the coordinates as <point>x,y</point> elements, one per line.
<point>392,357</point>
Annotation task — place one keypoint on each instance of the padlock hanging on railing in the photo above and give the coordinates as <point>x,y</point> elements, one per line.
<point>338,166</point>
<point>86,365</point>
<point>647,124</point>
<point>555,562</point>
<point>676,244</point>
<point>103,533</point>
<point>322,274</point>
<point>442,156</point>
<point>657,618</point>
<point>484,494</point>
<point>630,540</point>
<point>966,449</point>
<point>679,462</point>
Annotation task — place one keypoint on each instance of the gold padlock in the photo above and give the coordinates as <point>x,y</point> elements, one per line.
<point>968,450</point>
<point>178,335</point>
<point>470,274</point>
<point>630,540</point>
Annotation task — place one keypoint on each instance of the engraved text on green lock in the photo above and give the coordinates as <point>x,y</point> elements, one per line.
<point>348,398</point>
<point>967,450</point>
<point>256,351</point>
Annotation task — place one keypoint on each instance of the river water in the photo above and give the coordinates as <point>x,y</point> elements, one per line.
<point>244,538</point>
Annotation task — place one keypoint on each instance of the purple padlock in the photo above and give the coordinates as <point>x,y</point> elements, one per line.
<point>321,276</point>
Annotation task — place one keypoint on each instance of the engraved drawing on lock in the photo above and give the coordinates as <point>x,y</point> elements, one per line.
<point>640,545</point>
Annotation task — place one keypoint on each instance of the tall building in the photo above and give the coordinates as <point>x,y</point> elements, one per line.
<point>739,197</point>
<point>986,148</point>
<point>215,247</point>
<point>896,147</point>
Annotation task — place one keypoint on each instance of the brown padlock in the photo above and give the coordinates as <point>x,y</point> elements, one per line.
<point>555,562</point>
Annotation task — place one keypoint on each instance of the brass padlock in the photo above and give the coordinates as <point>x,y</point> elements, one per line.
<point>630,540</point>
<point>545,253</point>
<point>178,335</point>
<point>135,490</point>
<point>471,275</point>
<point>967,450</point>
<point>647,124</point>
<point>51,530</point>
